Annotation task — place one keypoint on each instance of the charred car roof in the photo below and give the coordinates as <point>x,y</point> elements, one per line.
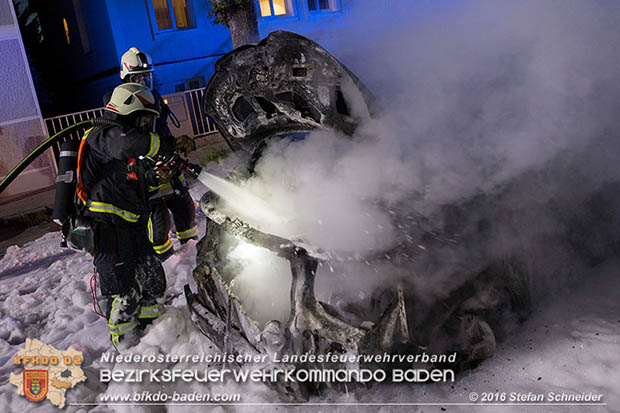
<point>284,83</point>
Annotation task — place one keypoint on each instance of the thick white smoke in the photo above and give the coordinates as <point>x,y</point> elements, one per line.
<point>473,94</point>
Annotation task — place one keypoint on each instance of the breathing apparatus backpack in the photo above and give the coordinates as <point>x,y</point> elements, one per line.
<point>77,232</point>
<point>70,199</point>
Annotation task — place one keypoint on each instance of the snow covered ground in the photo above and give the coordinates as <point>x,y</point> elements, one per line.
<point>571,343</point>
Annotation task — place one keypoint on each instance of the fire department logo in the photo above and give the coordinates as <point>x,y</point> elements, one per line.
<point>48,372</point>
<point>36,384</point>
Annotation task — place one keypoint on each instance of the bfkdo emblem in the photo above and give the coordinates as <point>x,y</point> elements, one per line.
<point>36,384</point>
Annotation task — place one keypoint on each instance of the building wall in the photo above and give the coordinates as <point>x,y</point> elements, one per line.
<point>331,29</point>
<point>21,126</point>
<point>178,55</point>
<point>101,31</point>
<point>86,63</point>
<point>183,54</point>
<point>323,27</point>
<point>349,32</point>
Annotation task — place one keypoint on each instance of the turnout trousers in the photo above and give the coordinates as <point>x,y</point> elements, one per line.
<point>181,206</point>
<point>131,278</point>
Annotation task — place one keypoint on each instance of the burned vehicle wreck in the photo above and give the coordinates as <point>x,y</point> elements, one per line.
<point>285,87</point>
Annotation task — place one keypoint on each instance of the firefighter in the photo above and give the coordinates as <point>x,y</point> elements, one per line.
<point>173,196</point>
<point>113,188</point>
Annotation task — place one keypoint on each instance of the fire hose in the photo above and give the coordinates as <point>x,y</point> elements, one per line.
<point>39,150</point>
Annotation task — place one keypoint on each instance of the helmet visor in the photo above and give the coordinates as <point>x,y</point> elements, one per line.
<point>143,61</point>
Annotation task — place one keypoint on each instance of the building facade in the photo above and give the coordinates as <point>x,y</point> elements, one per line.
<point>21,125</point>
<point>84,39</point>
<point>68,51</point>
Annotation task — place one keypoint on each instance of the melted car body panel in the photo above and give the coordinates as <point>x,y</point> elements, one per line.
<point>285,83</point>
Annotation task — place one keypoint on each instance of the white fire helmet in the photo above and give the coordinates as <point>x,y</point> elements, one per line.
<point>132,97</point>
<point>135,62</point>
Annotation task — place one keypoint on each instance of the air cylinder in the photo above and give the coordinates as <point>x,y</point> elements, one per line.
<point>66,182</point>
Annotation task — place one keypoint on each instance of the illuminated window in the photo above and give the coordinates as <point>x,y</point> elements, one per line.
<point>322,5</point>
<point>172,14</point>
<point>162,14</point>
<point>64,23</point>
<point>181,15</point>
<point>275,8</point>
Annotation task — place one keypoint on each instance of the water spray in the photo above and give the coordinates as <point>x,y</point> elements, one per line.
<point>245,204</point>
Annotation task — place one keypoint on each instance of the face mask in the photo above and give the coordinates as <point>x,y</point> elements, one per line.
<point>146,123</point>
<point>145,79</point>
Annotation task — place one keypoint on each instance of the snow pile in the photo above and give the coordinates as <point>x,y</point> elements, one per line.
<point>571,345</point>
<point>45,294</point>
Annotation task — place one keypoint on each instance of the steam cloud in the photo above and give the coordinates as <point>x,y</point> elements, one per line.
<point>475,96</point>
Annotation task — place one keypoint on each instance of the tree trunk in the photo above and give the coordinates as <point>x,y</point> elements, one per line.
<point>243,25</point>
